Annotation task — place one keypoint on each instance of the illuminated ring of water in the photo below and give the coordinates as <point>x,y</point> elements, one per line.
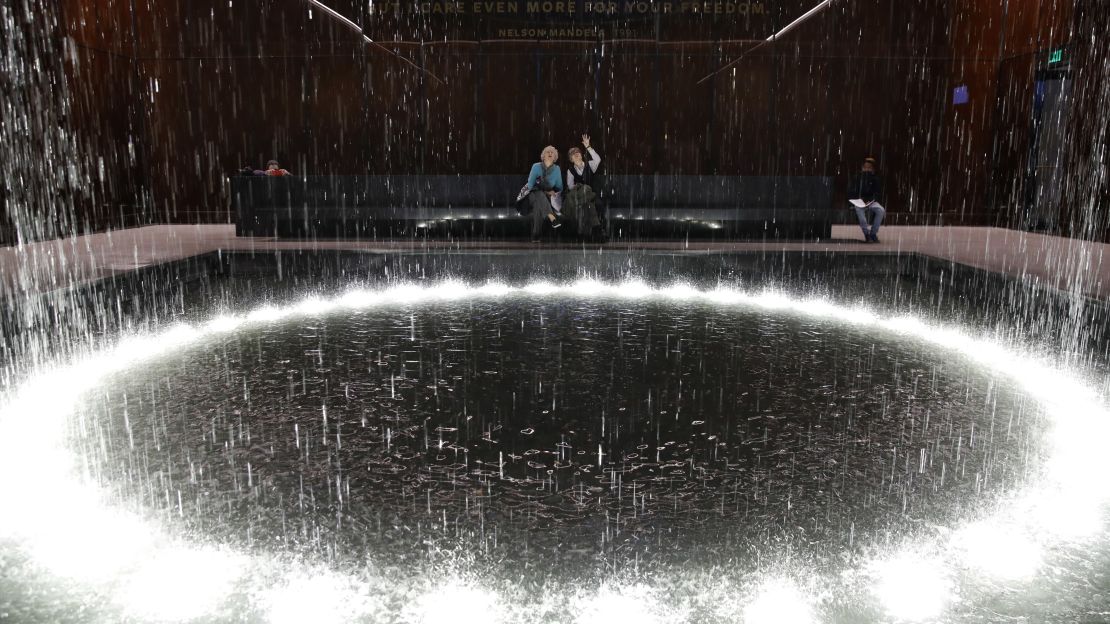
<point>70,531</point>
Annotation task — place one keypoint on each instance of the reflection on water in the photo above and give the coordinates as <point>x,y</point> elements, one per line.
<point>548,436</point>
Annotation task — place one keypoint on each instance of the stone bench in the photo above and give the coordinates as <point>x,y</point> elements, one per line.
<point>483,206</point>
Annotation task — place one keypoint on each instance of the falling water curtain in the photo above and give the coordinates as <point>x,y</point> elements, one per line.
<point>1087,193</point>
<point>47,172</point>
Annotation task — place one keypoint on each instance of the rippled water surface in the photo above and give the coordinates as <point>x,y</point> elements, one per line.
<point>560,436</point>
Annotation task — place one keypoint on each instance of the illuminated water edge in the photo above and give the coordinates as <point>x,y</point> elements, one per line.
<point>68,529</point>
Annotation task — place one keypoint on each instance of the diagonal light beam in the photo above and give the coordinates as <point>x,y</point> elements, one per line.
<point>339,17</point>
<point>808,14</point>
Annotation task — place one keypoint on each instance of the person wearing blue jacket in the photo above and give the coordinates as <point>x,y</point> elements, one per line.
<point>545,182</point>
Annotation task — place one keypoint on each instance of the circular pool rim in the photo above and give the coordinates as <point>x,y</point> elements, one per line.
<point>914,581</point>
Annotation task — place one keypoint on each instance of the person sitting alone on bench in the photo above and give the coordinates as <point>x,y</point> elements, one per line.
<point>545,182</point>
<point>864,192</point>
<point>274,169</point>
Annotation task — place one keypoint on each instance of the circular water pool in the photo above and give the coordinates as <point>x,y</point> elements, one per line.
<point>573,449</point>
<point>553,432</point>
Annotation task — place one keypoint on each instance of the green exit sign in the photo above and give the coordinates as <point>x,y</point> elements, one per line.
<point>1056,56</point>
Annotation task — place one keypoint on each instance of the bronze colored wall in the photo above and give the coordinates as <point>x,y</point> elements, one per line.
<point>213,86</point>
<point>104,92</point>
<point>1022,30</point>
<point>68,150</point>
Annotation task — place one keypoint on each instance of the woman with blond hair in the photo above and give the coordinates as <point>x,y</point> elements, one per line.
<point>545,182</point>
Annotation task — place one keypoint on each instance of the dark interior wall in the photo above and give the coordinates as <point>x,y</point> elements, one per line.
<point>241,84</point>
<point>100,73</point>
<point>1014,35</point>
<point>211,86</point>
<point>1085,209</point>
<point>864,79</point>
<point>232,84</point>
<point>66,140</point>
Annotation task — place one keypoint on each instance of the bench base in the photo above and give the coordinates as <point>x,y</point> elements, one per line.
<point>482,207</point>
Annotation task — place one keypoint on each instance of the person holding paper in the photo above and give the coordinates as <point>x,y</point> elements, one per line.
<point>864,192</point>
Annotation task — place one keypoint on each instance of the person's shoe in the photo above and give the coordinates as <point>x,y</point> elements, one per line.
<point>874,239</point>
<point>535,240</point>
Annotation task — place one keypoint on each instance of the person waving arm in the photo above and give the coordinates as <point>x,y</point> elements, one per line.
<point>595,158</point>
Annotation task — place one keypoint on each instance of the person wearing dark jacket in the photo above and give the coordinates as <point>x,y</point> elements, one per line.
<point>580,200</point>
<point>864,192</point>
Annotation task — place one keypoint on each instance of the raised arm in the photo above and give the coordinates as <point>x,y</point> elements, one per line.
<point>595,159</point>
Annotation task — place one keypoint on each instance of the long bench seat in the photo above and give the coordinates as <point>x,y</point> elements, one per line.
<point>359,207</point>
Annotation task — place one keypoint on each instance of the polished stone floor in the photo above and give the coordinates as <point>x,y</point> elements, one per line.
<point>1068,265</point>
